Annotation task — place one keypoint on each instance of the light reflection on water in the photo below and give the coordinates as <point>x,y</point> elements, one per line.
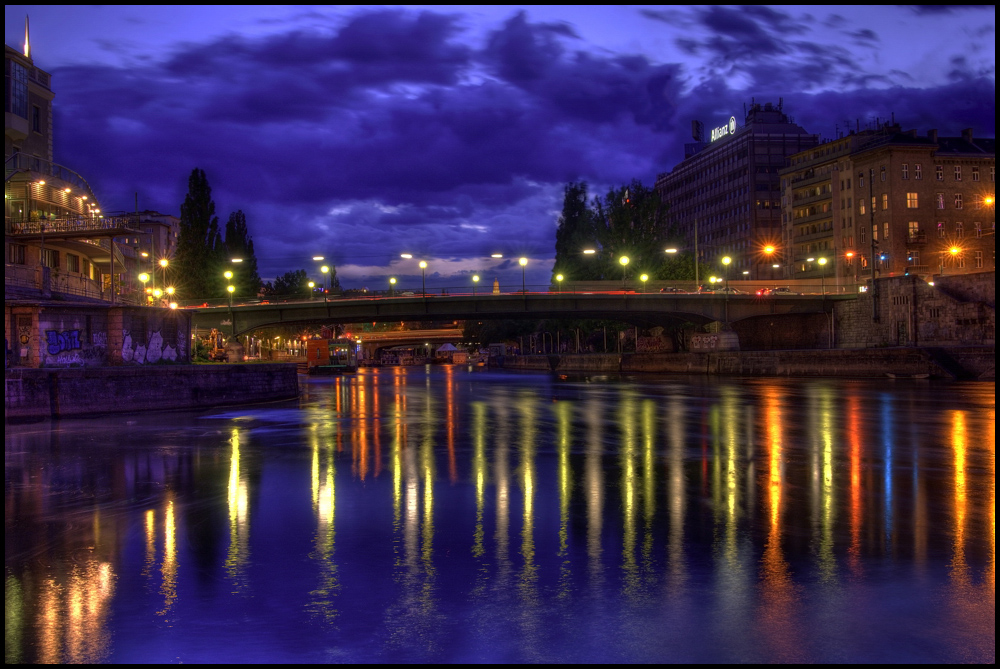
<point>441,514</point>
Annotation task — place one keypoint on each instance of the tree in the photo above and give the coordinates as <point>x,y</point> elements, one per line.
<point>290,284</point>
<point>239,244</point>
<point>200,250</point>
<point>575,233</point>
<point>631,221</point>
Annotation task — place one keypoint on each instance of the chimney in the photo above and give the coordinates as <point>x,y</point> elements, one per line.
<point>932,135</point>
<point>967,135</point>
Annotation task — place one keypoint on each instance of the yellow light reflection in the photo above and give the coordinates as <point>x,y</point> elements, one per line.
<point>239,525</point>
<point>169,566</point>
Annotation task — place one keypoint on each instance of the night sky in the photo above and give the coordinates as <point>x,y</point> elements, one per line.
<point>449,132</point>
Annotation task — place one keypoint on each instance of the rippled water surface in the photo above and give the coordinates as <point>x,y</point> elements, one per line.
<point>442,514</point>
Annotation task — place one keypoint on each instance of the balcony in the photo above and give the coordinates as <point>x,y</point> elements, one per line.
<point>916,238</point>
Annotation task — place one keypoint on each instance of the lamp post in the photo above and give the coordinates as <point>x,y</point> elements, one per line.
<point>144,278</point>
<point>232,322</point>
<point>423,278</point>
<point>559,280</point>
<point>392,286</point>
<point>475,281</point>
<point>725,261</point>
<point>769,254</point>
<point>644,278</point>
<point>326,273</point>
<point>522,262</point>
<point>624,263</point>
<point>312,286</point>
<point>163,268</point>
<point>822,275</point>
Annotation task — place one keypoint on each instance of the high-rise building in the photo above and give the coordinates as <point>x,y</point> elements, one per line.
<point>892,201</point>
<point>724,198</point>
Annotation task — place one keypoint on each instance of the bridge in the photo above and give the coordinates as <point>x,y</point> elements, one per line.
<point>643,309</point>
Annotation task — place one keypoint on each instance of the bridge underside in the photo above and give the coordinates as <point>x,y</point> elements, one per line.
<point>644,310</point>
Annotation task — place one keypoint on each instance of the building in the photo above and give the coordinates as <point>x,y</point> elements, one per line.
<point>889,200</point>
<point>725,196</point>
<point>56,237</point>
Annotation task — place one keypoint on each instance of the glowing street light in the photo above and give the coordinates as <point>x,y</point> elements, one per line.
<point>326,273</point>
<point>232,322</point>
<point>670,250</point>
<point>523,262</point>
<point>624,263</point>
<point>475,281</point>
<point>822,275</point>
<point>644,278</point>
<point>144,278</point>
<point>559,280</point>
<point>392,285</point>
<point>423,277</point>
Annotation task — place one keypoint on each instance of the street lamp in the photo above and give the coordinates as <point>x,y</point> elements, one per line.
<point>326,273</point>
<point>769,254</point>
<point>423,278</point>
<point>624,263</point>
<point>822,275</point>
<point>392,286</point>
<point>725,261</point>
<point>232,322</point>
<point>523,262</point>
<point>475,280</point>
<point>144,278</point>
<point>163,266</point>
<point>559,280</point>
<point>312,286</point>
<point>644,278</point>
<point>953,251</point>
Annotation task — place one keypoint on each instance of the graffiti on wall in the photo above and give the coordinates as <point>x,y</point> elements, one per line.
<point>67,340</point>
<point>152,351</point>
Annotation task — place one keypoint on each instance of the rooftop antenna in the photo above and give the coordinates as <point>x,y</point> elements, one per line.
<point>27,45</point>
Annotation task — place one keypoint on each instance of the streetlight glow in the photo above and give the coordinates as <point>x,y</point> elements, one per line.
<point>670,250</point>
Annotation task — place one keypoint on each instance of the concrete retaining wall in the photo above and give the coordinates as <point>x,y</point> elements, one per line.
<point>59,393</point>
<point>969,363</point>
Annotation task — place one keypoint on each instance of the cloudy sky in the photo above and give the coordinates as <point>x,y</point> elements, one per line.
<point>360,133</point>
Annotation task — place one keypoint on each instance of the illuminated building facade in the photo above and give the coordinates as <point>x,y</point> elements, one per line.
<point>56,238</point>
<point>727,191</point>
<point>892,201</point>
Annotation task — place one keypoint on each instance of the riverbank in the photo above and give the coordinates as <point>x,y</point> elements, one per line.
<point>972,362</point>
<point>32,394</point>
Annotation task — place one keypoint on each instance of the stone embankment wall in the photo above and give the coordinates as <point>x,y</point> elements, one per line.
<point>966,363</point>
<point>957,310</point>
<point>61,393</point>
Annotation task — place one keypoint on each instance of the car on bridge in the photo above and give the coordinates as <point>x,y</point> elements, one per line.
<point>779,290</point>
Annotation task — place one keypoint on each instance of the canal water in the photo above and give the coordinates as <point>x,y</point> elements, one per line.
<point>443,514</point>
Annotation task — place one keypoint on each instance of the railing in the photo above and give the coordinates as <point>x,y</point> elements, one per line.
<point>916,238</point>
<point>32,278</point>
<point>31,226</point>
<point>23,162</point>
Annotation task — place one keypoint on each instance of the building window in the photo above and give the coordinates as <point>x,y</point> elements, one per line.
<point>885,201</point>
<point>912,200</point>
<point>15,254</point>
<point>939,172</point>
<point>958,200</point>
<point>913,230</point>
<point>960,261</point>
<point>72,262</point>
<point>36,118</point>
<point>940,229</point>
<point>862,233</point>
<point>958,172</point>
<point>861,207</point>
<point>917,173</point>
<point>861,179</point>
<point>979,259</point>
<point>975,174</point>
<point>959,230</point>
<point>18,84</point>
<point>882,172</point>
<point>978,227</point>
<point>939,197</point>
<point>906,171</point>
<point>885,231</point>
<point>50,258</point>
<point>914,257</point>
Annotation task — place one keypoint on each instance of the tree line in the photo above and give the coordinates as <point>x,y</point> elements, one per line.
<point>628,221</point>
<point>205,253</point>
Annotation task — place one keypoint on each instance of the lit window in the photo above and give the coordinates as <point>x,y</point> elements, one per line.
<point>914,230</point>
<point>885,201</point>
<point>912,200</point>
